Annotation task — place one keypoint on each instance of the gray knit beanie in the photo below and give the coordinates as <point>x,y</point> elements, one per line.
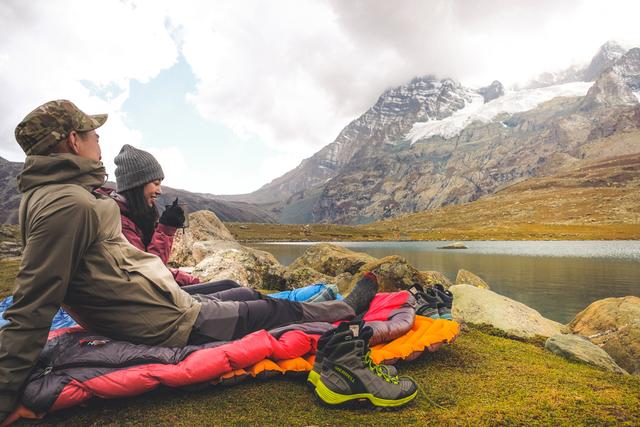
<point>135,167</point>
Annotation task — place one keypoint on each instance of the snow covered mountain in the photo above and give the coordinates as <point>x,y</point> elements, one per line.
<point>434,142</point>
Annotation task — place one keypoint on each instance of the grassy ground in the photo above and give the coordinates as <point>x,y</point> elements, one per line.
<point>8,271</point>
<point>478,380</point>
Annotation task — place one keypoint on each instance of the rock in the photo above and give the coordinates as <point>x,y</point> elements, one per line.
<point>457,245</point>
<point>303,276</point>
<point>614,325</point>
<point>434,277</point>
<point>482,306</point>
<point>247,266</point>
<point>203,226</point>
<point>394,273</point>
<point>343,281</point>
<point>575,347</point>
<point>331,259</point>
<point>465,277</point>
<point>10,249</point>
<point>491,92</point>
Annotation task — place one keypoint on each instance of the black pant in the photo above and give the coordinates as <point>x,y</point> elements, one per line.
<point>211,287</point>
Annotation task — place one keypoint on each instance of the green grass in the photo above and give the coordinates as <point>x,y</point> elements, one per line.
<point>479,380</point>
<point>8,272</point>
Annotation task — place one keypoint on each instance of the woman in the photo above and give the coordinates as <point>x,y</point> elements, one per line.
<point>138,181</point>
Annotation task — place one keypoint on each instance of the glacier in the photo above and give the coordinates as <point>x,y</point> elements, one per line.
<point>511,102</point>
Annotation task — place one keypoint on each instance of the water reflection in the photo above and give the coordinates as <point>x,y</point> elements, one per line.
<point>558,279</point>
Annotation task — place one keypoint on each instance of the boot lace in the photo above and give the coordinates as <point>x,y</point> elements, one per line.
<point>379,370</point>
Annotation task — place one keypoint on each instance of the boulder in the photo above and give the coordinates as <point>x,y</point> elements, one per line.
<point>247,266</point>
<point>9,249</point>
<point>394,273</point>
<point>331,260</point>
<point>343,281</point>
<point>303,276</point>
<point>614,325</point>
<point>575,347</point>
<point>465,277</point>
<point>203,226</point>
<point>457,245</point>
<point>434,277</point>
<point>485,307</point>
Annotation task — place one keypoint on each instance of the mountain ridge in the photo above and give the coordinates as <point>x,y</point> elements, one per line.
<point>226,210</point>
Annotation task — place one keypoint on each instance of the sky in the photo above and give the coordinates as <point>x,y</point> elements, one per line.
<point>229,95</point>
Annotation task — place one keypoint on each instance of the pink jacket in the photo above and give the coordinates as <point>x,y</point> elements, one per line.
<point>161,241</point>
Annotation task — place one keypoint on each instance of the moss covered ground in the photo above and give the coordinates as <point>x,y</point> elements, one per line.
<point>8,271</point>
<point>478,380</point>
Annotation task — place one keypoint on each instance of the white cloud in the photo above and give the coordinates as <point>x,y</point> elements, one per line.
<point>291,73</point>
<point>174,166</point>
<point>50,50</point>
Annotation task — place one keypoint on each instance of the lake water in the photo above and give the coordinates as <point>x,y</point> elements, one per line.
<point>557,278</point>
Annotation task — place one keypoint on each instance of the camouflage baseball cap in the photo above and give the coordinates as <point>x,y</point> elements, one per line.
<point>43,128</point>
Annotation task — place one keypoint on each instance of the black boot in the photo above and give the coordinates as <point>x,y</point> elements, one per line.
<point>363,293</point>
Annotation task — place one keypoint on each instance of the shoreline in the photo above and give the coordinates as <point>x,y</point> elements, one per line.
<point>254,232</point>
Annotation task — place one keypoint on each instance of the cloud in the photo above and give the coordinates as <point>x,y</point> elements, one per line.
<point>50,48</point>
<point>288,73</point>
<point>296,72</point>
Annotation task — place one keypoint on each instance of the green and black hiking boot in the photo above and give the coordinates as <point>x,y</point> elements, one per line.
<point>349,374</point>
<point>336,334</point>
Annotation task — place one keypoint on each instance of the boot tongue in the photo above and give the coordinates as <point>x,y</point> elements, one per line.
<point>365,334</point>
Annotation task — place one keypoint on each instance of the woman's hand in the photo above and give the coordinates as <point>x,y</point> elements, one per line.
<point>173,215</point>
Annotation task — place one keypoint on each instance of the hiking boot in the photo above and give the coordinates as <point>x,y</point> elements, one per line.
<point>363,293</point>
<point>336,334</point>
<point>426,301</point>
<point>349,374</point>
<point>444,309</point>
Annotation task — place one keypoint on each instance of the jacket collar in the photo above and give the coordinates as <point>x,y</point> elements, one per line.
<point>61,169</point>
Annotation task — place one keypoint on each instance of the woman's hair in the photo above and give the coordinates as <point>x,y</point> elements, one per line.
<point>143,215</point>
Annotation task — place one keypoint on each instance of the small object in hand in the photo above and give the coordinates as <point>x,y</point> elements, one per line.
<point>174,215</point>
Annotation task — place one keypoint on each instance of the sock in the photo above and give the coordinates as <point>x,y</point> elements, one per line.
<point>364,291</point>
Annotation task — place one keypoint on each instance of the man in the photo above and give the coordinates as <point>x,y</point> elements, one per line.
<point>76,256</point>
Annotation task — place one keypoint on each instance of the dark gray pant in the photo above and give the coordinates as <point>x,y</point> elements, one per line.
<point>220,320</point>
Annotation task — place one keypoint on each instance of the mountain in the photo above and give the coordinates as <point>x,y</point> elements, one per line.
<point>394,113</point>
<point>606,56</point>
<point>602,193</point>
<point>618,85</point>
<point>226,211</point>
<point>9,194</point>
<point>433,143</point>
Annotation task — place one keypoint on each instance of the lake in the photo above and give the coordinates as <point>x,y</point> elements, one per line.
<point>557,278</point>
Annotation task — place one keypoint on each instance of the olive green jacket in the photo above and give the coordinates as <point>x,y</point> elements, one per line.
<point>76,256</point>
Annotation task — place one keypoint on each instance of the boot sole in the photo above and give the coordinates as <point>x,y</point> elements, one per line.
<point>312,379</point>
<point>332,398</point>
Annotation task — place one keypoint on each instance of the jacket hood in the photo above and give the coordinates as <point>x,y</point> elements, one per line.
<point>61,169</point>
<point>117,197</point>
